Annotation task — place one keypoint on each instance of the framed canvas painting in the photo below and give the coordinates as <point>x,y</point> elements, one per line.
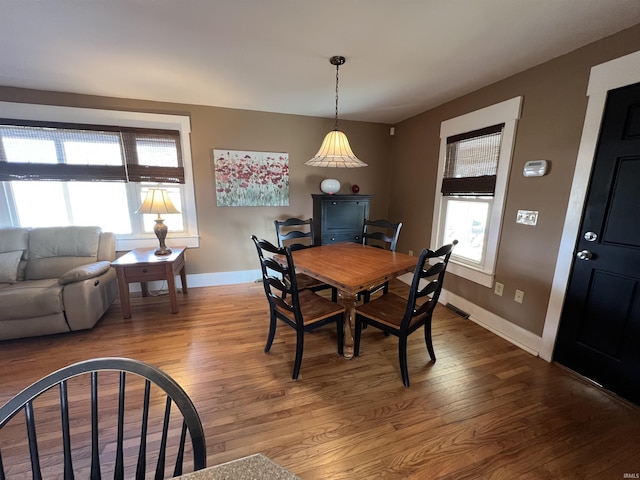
<point>251,179</point>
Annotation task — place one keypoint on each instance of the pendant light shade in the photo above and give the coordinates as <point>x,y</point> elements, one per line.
<point>335,150</point>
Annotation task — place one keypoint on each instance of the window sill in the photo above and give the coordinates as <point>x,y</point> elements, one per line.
<point>124,244</point>
<point>476,275</point>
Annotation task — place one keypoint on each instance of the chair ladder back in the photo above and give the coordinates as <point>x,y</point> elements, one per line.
<point>381,232</point>
<point>434,287</point>
<point>413,291</point>
<point>287,286</point>
<point>286,239</point>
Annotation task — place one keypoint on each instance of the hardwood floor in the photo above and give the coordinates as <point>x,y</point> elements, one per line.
<point>485,409</point>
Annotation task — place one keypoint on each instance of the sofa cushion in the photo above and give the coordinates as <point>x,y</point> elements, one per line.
<point>16,238</point>
<point>55,250</point>
<point>12,239</point>
<point>9,262</point>
<point>31,298</point>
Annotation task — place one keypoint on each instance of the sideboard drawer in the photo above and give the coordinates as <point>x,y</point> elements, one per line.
<point>341,237</point>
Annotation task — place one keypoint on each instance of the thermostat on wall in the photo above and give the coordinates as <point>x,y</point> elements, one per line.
<point>535,168</point>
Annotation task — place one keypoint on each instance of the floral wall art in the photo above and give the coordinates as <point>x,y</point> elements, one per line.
<point>251,179</point>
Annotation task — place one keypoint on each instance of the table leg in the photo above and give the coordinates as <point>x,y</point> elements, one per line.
<point>123,287</point>
<point>183,279</point>
<point>171,286</point>
<point>348,300</point>
<point>144,286</point>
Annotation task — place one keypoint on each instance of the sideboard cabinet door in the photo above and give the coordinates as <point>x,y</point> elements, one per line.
<point>339,218</point>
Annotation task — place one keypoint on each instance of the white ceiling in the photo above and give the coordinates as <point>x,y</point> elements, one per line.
<point>403,56</point>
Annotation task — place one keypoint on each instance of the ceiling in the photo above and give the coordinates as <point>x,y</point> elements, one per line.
<point>403,56</point>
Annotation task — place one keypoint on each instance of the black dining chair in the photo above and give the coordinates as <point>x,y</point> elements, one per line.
<point>297,234</point>
<point>103,417</point>
<point>382,234</point>
<point>401,317</point>
<point>302,310</point>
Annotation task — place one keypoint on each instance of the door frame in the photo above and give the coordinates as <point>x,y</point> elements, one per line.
<point>607,76</point>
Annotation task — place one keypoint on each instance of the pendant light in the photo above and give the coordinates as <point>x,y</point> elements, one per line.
<point>335,150</point>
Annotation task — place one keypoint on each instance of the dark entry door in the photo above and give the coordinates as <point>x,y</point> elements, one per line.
<point>599,334</point>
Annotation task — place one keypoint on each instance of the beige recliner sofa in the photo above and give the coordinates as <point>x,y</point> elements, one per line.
<point>54,280</point>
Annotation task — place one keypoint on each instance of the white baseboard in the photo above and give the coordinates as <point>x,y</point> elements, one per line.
<point>511,332</point>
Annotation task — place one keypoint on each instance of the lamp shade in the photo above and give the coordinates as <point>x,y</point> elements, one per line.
<point>335,152</point>
<point>157,201</point>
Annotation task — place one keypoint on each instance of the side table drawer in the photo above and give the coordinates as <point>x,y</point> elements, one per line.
<point>141,274</point>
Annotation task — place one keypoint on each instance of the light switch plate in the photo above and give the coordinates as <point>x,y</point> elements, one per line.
<point>527,217</point>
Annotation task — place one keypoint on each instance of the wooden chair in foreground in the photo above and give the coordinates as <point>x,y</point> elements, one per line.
<point>85,430</point>
<point>302,310</point>
<point>381,234</point>
<point>296,234</point>
<point>401,317</point>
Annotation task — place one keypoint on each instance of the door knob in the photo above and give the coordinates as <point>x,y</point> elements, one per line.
<point>584,255</point>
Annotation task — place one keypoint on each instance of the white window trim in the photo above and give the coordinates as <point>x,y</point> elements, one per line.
<point>182,123</point>
<point>507,112</point>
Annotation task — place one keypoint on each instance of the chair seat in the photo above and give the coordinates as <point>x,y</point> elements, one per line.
<point>388,310</point>
<point>314,308</point>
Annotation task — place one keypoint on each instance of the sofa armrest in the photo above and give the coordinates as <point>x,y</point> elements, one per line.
<point>84,272</point>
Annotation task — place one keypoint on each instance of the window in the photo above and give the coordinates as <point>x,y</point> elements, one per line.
<point>93,167</point>
<point>473,170</point>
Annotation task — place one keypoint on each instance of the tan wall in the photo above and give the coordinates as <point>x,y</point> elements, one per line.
<point>225,244</point>
<point>550,128</point>
<point>401,172</point>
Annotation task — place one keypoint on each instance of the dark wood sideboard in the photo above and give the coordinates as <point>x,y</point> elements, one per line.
<point>339,218</point>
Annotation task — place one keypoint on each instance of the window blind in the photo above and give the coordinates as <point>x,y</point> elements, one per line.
<point>70,152</point>
<point>472,162</point>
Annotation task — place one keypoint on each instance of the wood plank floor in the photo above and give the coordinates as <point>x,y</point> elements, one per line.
<point>485,409</point>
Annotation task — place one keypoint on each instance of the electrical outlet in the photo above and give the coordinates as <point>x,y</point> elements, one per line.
<point>499,289</point>
<point>411,252</point>
<point>527,217</point>
<point>519,296</point>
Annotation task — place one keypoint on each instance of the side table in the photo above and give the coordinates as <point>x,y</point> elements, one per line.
<point>142,265</point>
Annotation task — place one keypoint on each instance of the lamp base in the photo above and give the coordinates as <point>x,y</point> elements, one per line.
<point>160,229</point>
<point>162,250</point>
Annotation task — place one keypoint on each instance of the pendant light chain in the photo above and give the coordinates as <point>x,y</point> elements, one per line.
<point>335,126</point>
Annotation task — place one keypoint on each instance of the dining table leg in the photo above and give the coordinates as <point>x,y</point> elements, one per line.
<point>349,301</point>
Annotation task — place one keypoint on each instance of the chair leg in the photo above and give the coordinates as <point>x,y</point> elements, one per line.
<point>357,334</point>
<point>402,354</point>
<point>428,340</point>
<point>367,297</point>
<point>340,333</point>
<point>272,333</point>
<point>299,349</point>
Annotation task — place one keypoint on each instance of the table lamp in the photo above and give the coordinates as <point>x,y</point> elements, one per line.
<point>158,201</point>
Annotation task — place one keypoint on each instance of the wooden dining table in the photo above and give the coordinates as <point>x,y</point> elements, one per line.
<point>351,268</point>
